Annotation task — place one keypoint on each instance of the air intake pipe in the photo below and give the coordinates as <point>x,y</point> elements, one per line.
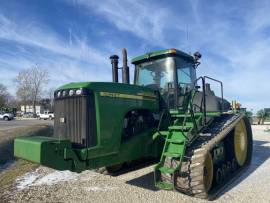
<point>125,69</point>
<point>114,62</point>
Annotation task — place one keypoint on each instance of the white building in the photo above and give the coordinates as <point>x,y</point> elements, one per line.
<point>30,108</point>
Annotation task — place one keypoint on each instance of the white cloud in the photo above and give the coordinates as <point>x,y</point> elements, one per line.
<point>66,60</point>
<point>37,35</point>
<point>146,20</point>
<point>258,16</point>
<point>236,50</point>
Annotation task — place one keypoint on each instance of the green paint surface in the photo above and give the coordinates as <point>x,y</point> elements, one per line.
<point>110,148</point>
<point>43,150</point>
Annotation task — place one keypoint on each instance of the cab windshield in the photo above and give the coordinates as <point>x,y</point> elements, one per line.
<point>159,74</point>
<point>155,74</point>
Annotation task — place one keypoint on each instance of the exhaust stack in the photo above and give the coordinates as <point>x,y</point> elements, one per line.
<point>125,69</point>
<point>114,62</point>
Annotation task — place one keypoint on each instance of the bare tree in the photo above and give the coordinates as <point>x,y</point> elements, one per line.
<point>51,97</point>
<point>30,84</point>
<point>38,78</point>
<point>4,95</point>
<point>23,87</point>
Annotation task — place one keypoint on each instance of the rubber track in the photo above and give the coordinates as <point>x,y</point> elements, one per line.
<point>190,180</point>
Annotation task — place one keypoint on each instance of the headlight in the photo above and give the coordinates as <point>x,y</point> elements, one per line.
<point>71,92</point>
<point>59,94</point>
<point>64,93</point>
<point>78,92</point>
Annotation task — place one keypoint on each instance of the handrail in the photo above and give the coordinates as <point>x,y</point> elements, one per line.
<point>204,97</point>
<point>203,110</point>
<point>221,85</point>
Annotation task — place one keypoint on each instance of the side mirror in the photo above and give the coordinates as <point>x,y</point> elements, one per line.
<point>197,55</point>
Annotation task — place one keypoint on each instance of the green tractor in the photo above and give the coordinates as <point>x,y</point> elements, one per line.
<point>168,114</point>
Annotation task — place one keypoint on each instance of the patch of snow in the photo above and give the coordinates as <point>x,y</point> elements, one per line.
<point>34,178</point>
<point>55,177</point>
<point>26,180</point>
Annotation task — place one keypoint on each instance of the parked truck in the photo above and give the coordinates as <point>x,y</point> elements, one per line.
<point>6,116</point>
<point>46,115</point>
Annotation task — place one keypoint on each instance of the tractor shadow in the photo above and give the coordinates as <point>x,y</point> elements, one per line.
<point>146,181</point>
<point>261,152</point>
<point>135,165</point>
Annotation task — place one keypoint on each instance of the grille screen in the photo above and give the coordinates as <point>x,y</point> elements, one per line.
<point>75,120</point>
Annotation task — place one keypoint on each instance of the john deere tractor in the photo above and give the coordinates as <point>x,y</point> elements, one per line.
<point>168,114</point>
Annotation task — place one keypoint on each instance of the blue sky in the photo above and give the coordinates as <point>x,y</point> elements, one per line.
<point>73,39</point>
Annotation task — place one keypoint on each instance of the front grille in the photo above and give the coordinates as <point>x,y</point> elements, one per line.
<point>75,119</point>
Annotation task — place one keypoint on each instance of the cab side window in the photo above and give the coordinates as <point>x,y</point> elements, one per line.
<point>185,72</point>
<point>184,75</point>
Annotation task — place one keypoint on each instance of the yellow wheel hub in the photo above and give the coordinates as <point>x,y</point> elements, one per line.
<point>240,143</point>
<point>208,172</point>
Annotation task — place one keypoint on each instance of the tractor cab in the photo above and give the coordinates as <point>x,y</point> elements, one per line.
<point>163,71</point>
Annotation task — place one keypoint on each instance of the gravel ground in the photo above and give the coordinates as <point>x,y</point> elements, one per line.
<point>47,185</point>
<point>20,123</point>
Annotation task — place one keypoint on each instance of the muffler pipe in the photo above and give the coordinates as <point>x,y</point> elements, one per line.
<point>125,69</point>
<point>114,62</point>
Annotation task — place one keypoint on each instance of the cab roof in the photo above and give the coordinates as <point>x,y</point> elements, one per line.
<point>160,54</point>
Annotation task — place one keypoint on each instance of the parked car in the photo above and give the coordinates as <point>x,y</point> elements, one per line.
<point>46,115</point>
<point>6,116</point>
<point>19,113</point>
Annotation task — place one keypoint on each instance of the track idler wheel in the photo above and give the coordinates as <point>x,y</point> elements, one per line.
<point>208,172</point>
<point>240,143</point>
<point>223,172</point>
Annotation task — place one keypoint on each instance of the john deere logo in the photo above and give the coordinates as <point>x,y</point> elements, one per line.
<point>139,96</point>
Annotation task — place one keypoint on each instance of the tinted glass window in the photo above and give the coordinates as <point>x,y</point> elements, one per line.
<point>185,72</point>
<point>155,74</point>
